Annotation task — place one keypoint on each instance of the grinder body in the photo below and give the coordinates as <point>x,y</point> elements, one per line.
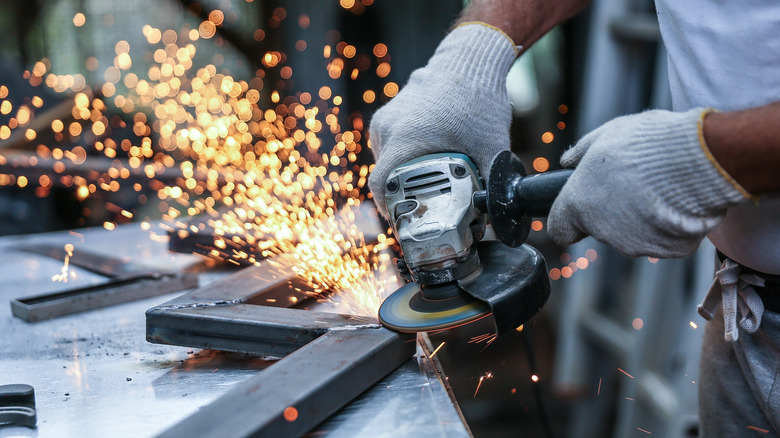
<point>439,209</point>
<point>433,216</point>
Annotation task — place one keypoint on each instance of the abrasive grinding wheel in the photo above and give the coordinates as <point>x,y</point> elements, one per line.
<point>511,284</point>
<point>408,309</point>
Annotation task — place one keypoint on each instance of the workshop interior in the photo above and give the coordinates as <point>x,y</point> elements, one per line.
<point>190,247</point>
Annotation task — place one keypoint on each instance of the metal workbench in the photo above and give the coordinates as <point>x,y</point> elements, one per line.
<point>94,373</point>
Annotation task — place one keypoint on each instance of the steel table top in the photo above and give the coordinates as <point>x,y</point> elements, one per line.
<point>94,374</point>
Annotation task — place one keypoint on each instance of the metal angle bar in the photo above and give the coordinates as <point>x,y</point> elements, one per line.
<point>115,291</point>
<point>127,282</point>
<point>244,328</point>
<point>265,285</point>
<point>330,358</point>
<point>298,392</point>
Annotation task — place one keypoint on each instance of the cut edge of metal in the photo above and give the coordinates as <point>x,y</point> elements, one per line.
<point>432,368</point>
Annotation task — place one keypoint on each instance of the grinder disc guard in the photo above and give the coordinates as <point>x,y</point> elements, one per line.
<point>511,282</point>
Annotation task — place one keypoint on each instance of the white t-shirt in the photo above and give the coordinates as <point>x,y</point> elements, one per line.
<point>725,54</point>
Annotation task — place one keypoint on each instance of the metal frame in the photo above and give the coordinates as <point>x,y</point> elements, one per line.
<point>330,358</point>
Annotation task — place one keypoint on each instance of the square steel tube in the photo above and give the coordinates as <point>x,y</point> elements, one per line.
<point>300,391</point>
<point>245,328</point>
<point>330,358</point>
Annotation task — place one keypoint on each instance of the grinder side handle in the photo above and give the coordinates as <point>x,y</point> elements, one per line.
<point>538,192</point>
<point>512,198</point>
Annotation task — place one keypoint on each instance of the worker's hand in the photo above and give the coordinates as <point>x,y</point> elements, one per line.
<point>456,103</point>
<point>645,184</point>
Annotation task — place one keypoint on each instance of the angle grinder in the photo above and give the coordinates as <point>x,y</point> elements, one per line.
<point>439,209</point>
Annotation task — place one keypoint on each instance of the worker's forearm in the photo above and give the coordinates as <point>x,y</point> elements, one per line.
<point>525,21</point>
<point>747,145</point>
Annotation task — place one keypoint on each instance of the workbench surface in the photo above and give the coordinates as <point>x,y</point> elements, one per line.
<point>94,373</point>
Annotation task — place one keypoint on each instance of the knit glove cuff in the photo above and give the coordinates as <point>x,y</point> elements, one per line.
<point>476,52</point>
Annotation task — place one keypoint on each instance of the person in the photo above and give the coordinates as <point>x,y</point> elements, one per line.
<point>648,184</point>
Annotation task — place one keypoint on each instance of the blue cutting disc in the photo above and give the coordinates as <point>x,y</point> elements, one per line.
<point>406,310</point>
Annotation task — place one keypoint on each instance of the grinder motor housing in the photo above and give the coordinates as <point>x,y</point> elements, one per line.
<point>430,205</point>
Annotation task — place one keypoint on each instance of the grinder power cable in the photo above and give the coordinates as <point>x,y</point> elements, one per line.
<point>439,209</point>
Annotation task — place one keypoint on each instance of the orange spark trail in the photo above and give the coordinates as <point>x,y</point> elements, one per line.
<point>436,350</point>
<point>479,384</point>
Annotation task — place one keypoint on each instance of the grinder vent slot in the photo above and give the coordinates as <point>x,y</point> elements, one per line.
<point>426,183</point>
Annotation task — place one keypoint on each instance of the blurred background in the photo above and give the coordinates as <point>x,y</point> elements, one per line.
<point>93,94</point>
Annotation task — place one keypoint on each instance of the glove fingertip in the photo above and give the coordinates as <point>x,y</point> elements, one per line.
<point>570,158</point>
<point>562,231</point>
<point>568,237</point>
<point>573,156</point>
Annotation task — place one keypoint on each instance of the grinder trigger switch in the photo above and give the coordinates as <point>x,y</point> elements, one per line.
<point>404,207</point>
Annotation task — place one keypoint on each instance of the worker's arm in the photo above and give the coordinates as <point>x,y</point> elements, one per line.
<point>458,101</point>
<point>747,145</point>
<point>524,21</point>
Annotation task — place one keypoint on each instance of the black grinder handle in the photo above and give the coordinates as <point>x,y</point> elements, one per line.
<point>512,198</point>
<point>537,192</point>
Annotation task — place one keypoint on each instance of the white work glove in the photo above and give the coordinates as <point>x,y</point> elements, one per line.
<point>645,184</point>
<point>456,103</point>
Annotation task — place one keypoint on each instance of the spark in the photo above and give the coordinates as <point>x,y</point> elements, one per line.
<point>757,429</point>
<point>598,391</point>
<point>647,432</point>
<point>436,350</point>
<point>487,337</point>
<point>629,375</point>
<point>64,271</point>
<point>534,378</point>
<point>693,325</point>
<point>481,379</point>
<point>541,164</point>
<point>290,414</point>
<point>260,175</point>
